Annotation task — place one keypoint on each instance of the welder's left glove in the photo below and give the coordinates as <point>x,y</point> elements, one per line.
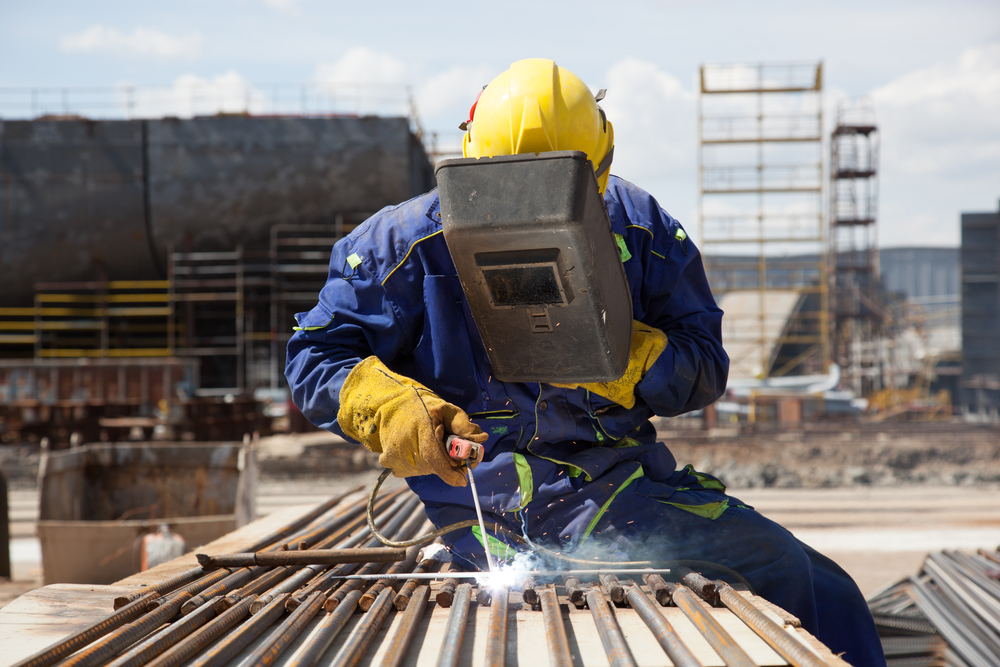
<point>648,343</point>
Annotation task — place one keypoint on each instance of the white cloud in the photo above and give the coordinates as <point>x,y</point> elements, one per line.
<point>445,98</point>
<point>141,41</point>
<point>655,141</point>
<point>191,95</point>
<point>940,147</point>
<point>362,65</point>
<point>283,5</point>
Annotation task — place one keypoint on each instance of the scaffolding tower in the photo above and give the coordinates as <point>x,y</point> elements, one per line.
<point>760,181</point>
<point>854,274</point>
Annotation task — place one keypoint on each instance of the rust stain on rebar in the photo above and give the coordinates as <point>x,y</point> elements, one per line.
<point>399,645</point>
<point>717,637</point>
<point>665,634</point>
<point>555,631</point>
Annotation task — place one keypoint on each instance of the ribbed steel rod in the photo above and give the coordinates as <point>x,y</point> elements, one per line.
<point>323,583</point>
<point>406,593</point>
<point>788,648</point>
<point>53,653</point>
<point>255,587</point>
<point>163,587</point>
<point>665,634</point>
<point>575,591</point>
<point>399,646</point>
<point>286,587</point>
<point>364,634</point>
<point>662,590</point>
<point>156,644</point>
<point>307,557</point>
<point>104,649</point>
<point>329,627</point>
<point>269,651</point>
<point>496,637</point>
<point>555,631</point>
<point>204,636</point>
<point>615,646</point>
<point>234,581</point>
<point>236,641</point>
<point>527,575</point>
<point>404,566</point>
<point>454,632</point>
<point>717,637</point>
<point>613,587</point>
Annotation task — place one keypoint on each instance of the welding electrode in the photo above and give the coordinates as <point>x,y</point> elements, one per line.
<point>464,450</point>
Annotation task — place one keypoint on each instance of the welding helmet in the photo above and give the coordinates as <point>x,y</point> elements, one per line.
<point>537,106</point>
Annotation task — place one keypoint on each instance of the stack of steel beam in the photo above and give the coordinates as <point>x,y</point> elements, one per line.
<point>285,601</point>
<point>949,614</point>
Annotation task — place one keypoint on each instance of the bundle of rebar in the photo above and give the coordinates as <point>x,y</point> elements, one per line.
<point>948,614</point>
<point>296,583</point>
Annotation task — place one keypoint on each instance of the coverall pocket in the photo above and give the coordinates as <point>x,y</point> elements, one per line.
<point>315,320</point>
<point>444,351</point>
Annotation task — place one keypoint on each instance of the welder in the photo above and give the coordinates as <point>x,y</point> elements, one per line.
<point>393,356</point>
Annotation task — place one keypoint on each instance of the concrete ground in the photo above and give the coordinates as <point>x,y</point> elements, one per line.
<point>878,534</point>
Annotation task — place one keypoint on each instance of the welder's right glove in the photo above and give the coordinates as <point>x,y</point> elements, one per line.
<point>404,422</point>
<point>648,343</point>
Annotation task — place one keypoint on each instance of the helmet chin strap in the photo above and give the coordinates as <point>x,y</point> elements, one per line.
<point>605,163</point>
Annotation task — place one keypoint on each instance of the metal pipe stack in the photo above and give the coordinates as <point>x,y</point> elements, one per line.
<point>284,601</point>
<point>949,614</point>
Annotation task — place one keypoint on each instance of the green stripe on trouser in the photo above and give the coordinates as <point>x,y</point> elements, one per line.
<point>710,511</point>
<point>597,517</point>
<point>500,550</point>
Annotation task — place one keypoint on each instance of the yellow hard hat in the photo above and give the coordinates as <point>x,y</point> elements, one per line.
<point>538,106</point>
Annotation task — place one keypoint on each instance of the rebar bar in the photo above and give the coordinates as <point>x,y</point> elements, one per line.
<point>204,636</point>
<point>613,587</point>
<point>496,637</point>
<point>399,646</point>
<point>286,587</point>
<point>156,644</point>
<point>665,634</point>
<point>787,647</point>
<point>103,649</point>
<point>368,599</point>
<point>717,637</point>
<point>555,631</point>
<point>364,634</point>
<point>269,651</point>
<point>405,593</point>
<point>446,594</point>
<point>615,646</point>
<point>236,641</point>
<point>454,632</point>
<point>662,590</point>
<point>575,591</point>
<point>55,652</point>
<point>262,583</point>
<point>234,581</point>
<point>703,586</point>
<point>163,587</point>
<point>307,557</point>
<point>329,627</point>
<point>323,583</point>
<point>528,593</point>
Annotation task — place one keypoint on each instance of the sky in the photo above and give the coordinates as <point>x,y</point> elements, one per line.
<point>932,70</point>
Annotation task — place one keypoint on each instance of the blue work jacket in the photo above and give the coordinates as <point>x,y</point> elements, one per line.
<point>393,291</point>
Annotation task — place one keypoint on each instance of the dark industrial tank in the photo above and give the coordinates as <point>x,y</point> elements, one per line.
<point>94,200</point>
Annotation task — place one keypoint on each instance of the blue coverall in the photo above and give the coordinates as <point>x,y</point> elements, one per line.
<point>564,466</point>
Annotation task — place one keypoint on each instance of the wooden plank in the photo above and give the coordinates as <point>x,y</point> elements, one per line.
<point>45,615</point>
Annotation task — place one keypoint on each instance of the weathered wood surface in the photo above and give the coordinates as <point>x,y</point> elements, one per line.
<point>45,615</point>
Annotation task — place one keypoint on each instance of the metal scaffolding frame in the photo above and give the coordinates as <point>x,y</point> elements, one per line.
<point>760,185</point>
<point>854,260</point>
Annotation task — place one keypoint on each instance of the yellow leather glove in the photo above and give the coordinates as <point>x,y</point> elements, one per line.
<point>648,343</point>
<point>404,422</point>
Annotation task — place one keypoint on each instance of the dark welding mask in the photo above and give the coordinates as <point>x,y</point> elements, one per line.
<point>531,240</point>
